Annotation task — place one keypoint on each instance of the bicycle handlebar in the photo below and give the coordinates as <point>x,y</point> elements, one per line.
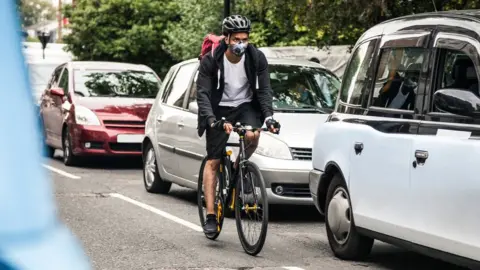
<point>239,127</point>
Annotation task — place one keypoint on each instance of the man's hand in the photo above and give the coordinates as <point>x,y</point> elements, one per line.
<point>228,128</point>
<point>222,125</point>
<point>272,125</point>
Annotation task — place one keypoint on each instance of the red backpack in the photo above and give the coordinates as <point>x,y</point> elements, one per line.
<point>210,43</point>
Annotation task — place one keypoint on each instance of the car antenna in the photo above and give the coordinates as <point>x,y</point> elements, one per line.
<point>434,6</point>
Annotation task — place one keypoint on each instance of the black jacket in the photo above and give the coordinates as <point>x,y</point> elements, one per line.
<point>209,96</point>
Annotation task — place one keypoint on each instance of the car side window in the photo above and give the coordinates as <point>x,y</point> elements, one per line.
<point>396,81</point>
<point>166,84</point>
<point>457,67</point>
<point>356,77</point>
<point>55,78</point>
<point>192,96</point>
<point>63,82</point>
<point>457,71</point>
<point>176,92</point>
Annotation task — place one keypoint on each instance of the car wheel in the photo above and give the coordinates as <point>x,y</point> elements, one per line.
<point>69,159</point>
<point>345,242</point>
<point>151,178</point>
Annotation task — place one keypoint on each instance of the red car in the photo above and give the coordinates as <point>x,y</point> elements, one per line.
<point>97,108</point>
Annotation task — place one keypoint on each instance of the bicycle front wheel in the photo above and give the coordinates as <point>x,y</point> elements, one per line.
<point>251,208</point>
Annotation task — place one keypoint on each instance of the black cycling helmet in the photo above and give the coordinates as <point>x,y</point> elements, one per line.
<point>236,24</point>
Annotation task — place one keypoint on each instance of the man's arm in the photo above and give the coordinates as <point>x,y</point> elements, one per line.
<point>265,92</point>
<point>204,90</point>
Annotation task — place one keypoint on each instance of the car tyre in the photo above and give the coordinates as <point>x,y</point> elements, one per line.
<point>345,242</point>
<point>69,159</point>
<point>151,178</point>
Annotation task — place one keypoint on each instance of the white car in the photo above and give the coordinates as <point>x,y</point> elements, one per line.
<point>398,159</point>
<point>173,151</point>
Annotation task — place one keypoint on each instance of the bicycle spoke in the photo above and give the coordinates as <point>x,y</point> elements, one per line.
<point>251,209</point>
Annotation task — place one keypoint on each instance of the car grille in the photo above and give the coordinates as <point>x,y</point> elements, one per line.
<point>293,190</point>
<point>124,124</point>
<point>301,153</point>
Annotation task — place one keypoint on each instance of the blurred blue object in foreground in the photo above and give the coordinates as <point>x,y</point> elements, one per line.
<point>31,235</point>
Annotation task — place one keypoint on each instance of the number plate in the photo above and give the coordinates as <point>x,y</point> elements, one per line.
<point>130,138</point>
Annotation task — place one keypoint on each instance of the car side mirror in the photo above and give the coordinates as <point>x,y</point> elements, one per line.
<point>57,92</point>
<point>457,101</point>
<point>193,107</point>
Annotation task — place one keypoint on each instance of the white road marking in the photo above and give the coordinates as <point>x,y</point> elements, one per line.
<point>66,174</point>
<point>158,212</point>
<point>292,268</point>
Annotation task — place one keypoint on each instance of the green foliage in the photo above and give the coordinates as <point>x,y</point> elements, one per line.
<point>159,33</point>
<point>334,22</point>
<point>121,30</point>
<point>197,19</point>
<point>34,11</point>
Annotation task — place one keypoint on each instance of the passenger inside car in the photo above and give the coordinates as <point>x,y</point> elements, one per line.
<point>399,92</point>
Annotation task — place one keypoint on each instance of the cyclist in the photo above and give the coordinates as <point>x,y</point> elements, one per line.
<point>226,85</point>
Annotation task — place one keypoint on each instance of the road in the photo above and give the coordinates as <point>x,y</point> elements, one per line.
<point>121,226</point>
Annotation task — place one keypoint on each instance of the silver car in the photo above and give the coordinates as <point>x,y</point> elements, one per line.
<point>304,94</point>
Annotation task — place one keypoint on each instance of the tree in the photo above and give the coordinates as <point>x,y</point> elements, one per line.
<point>34,11</point>
<point>335,22</point>
<point>197,19</point>
<point>121,30</point>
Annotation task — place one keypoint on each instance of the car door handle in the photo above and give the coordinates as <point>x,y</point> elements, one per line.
<point>180,124</point>
<point>358,147</point>
<point>160,118</point>
<point>420,156</point>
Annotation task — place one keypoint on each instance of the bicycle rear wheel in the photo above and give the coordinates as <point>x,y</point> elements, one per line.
<point>252,204</point>
<point>219,202</point>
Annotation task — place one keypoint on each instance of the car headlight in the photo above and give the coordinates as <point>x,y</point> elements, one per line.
<point>84,116</point>
<point>270,146</point>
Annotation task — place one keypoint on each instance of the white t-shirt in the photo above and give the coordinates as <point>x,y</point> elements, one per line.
<point>237,88</point>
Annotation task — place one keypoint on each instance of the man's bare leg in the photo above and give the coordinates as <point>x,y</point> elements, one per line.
<point>210,183</point>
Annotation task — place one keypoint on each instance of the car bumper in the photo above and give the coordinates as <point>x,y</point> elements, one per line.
<point>286,181</point>
<point>314,180</point>
<point>102,141</point>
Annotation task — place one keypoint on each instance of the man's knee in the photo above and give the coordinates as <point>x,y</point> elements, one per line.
<point>252,137</point>
<point>212,164</point>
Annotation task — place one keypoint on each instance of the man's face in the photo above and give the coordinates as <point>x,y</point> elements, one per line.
<point>238,37</point>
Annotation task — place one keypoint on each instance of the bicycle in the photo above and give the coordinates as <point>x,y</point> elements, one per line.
<point>232,193</point>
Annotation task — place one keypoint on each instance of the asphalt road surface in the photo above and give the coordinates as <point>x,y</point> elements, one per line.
<point>121,226</point>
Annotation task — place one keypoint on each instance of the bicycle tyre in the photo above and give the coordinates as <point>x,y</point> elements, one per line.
<point>257,247</point>
<point>200,202</point>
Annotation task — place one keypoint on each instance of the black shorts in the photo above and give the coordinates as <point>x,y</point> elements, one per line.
<point>244,113</point>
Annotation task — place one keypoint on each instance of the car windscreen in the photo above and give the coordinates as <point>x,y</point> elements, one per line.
<point>115,83</point>
<point>303,88</point>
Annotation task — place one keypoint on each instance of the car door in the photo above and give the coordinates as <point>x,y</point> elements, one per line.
<point>49,109</point>
<point>61,107</point>
<point>383,138</point>
<point>169,118</point>
<point>190,147</point>
<point>444,161</point>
